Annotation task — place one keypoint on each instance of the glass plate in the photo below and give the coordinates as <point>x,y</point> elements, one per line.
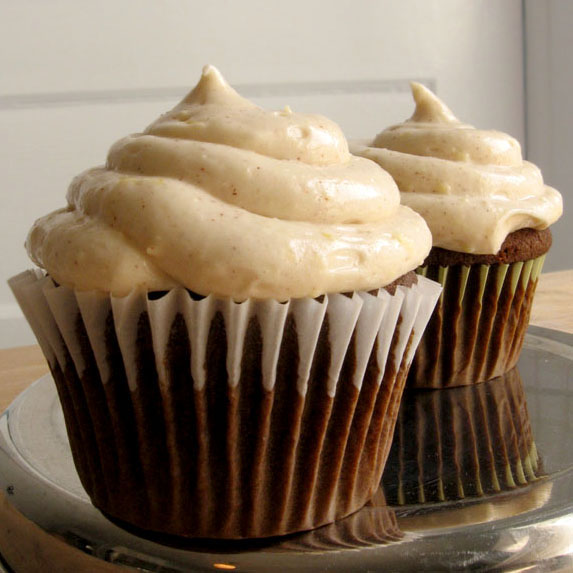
<point>524,524</point>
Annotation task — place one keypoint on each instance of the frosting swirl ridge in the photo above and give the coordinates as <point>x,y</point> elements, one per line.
<point>223,197</point>
<point>472,186</point>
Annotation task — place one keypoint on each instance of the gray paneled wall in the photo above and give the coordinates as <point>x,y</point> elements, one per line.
<point>549,84</point>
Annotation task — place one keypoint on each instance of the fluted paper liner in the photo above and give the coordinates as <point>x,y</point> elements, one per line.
<point>205,417</point>
<point>478,326</point>
<point>459,443</point>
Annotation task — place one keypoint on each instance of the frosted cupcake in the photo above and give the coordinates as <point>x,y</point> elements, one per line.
<point>214,380</point>
<point>489,213</point>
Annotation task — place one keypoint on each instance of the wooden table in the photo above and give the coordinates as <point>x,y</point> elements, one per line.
<point>553,308</point>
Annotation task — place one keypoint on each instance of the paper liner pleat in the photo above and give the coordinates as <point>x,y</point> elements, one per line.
<point>27,290</point>
<point>203,417</point>
<point>461,442</point>
<point>477,329</point>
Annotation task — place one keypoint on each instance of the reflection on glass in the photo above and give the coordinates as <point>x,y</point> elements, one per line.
<point>374,524</point>
<point>463,442</point>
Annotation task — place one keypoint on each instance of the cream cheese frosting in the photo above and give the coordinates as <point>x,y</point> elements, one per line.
<point>472,186</point>
<point>223,197</point>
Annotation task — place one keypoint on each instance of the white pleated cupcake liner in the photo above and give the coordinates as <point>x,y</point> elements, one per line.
<point>158,383</point>
<point>51,311</point>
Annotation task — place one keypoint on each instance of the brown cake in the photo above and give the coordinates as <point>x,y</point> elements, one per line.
<point>519,246</point>
<point>215,380</point>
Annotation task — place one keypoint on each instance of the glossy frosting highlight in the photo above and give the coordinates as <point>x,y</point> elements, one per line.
<point>223,197</point>
<point>472,186</point>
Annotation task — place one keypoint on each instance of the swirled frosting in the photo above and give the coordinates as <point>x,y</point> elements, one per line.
<point>225,198</point>
<point>471,186</point>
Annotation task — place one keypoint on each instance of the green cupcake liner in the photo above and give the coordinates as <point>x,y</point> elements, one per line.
<point>476,331</point>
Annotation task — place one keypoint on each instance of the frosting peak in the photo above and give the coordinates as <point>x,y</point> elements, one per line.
<point>212,88</point>
<point>434,131</point>
<point>429,108</point>
<point>472,186</point>
<point>223,197</point>
<point>214,112</point>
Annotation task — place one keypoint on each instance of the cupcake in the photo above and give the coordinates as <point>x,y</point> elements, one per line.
<point>229,313</point>
<point>462,443</point>
<point>489,213</point>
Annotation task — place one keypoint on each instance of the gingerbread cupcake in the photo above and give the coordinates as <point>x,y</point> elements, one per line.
<point>229,312</point>
<point>489,213</point>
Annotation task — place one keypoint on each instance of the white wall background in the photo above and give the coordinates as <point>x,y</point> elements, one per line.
<point>549,89</point>
<point>76,76</point>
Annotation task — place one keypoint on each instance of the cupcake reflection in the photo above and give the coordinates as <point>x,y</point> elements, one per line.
<point>373,525</point>
<point>462,442</point>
